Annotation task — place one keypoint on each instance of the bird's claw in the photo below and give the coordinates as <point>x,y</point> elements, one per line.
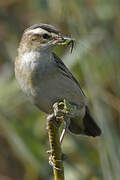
<point>65,109</point>
<point>59,109</point>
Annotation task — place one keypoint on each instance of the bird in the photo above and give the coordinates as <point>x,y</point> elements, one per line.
<point>45,79</point>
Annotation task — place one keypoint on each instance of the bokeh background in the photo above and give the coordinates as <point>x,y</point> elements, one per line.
<point>95,62</point>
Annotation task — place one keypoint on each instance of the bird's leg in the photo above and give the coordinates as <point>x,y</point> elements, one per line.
<point>63,111</point>
<point>66,125</point>
<point>60,114</point>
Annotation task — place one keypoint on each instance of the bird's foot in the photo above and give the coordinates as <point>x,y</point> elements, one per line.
<point>59,110</point>
<point>63,111</point>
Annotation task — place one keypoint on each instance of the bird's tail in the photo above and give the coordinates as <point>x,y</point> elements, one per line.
<point>90,128</point>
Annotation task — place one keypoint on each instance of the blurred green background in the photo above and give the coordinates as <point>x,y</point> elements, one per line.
<point>95,62</point>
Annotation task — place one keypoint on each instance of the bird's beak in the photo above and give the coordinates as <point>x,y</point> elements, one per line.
<point>63,40</point>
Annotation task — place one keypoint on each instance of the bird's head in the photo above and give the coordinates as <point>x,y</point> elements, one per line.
<point>42,37</point>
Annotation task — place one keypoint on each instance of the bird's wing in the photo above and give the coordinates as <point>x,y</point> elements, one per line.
<point>65,70</point>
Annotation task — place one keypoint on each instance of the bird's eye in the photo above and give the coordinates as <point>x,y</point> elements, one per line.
<point>46,36</point>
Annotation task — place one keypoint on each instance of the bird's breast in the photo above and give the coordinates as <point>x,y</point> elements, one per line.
<point>31,71</point>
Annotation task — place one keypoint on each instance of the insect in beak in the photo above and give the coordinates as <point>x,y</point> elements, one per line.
<point>64,41</point>
<point>71,43</point>
<point>68,41</point>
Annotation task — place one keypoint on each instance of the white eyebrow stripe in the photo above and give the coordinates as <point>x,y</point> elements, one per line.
<point>36,31</point>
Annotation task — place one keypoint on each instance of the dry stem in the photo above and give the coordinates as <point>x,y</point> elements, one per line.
<point>56,153</point>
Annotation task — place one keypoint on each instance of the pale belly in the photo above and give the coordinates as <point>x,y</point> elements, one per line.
<point>53,88</point>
